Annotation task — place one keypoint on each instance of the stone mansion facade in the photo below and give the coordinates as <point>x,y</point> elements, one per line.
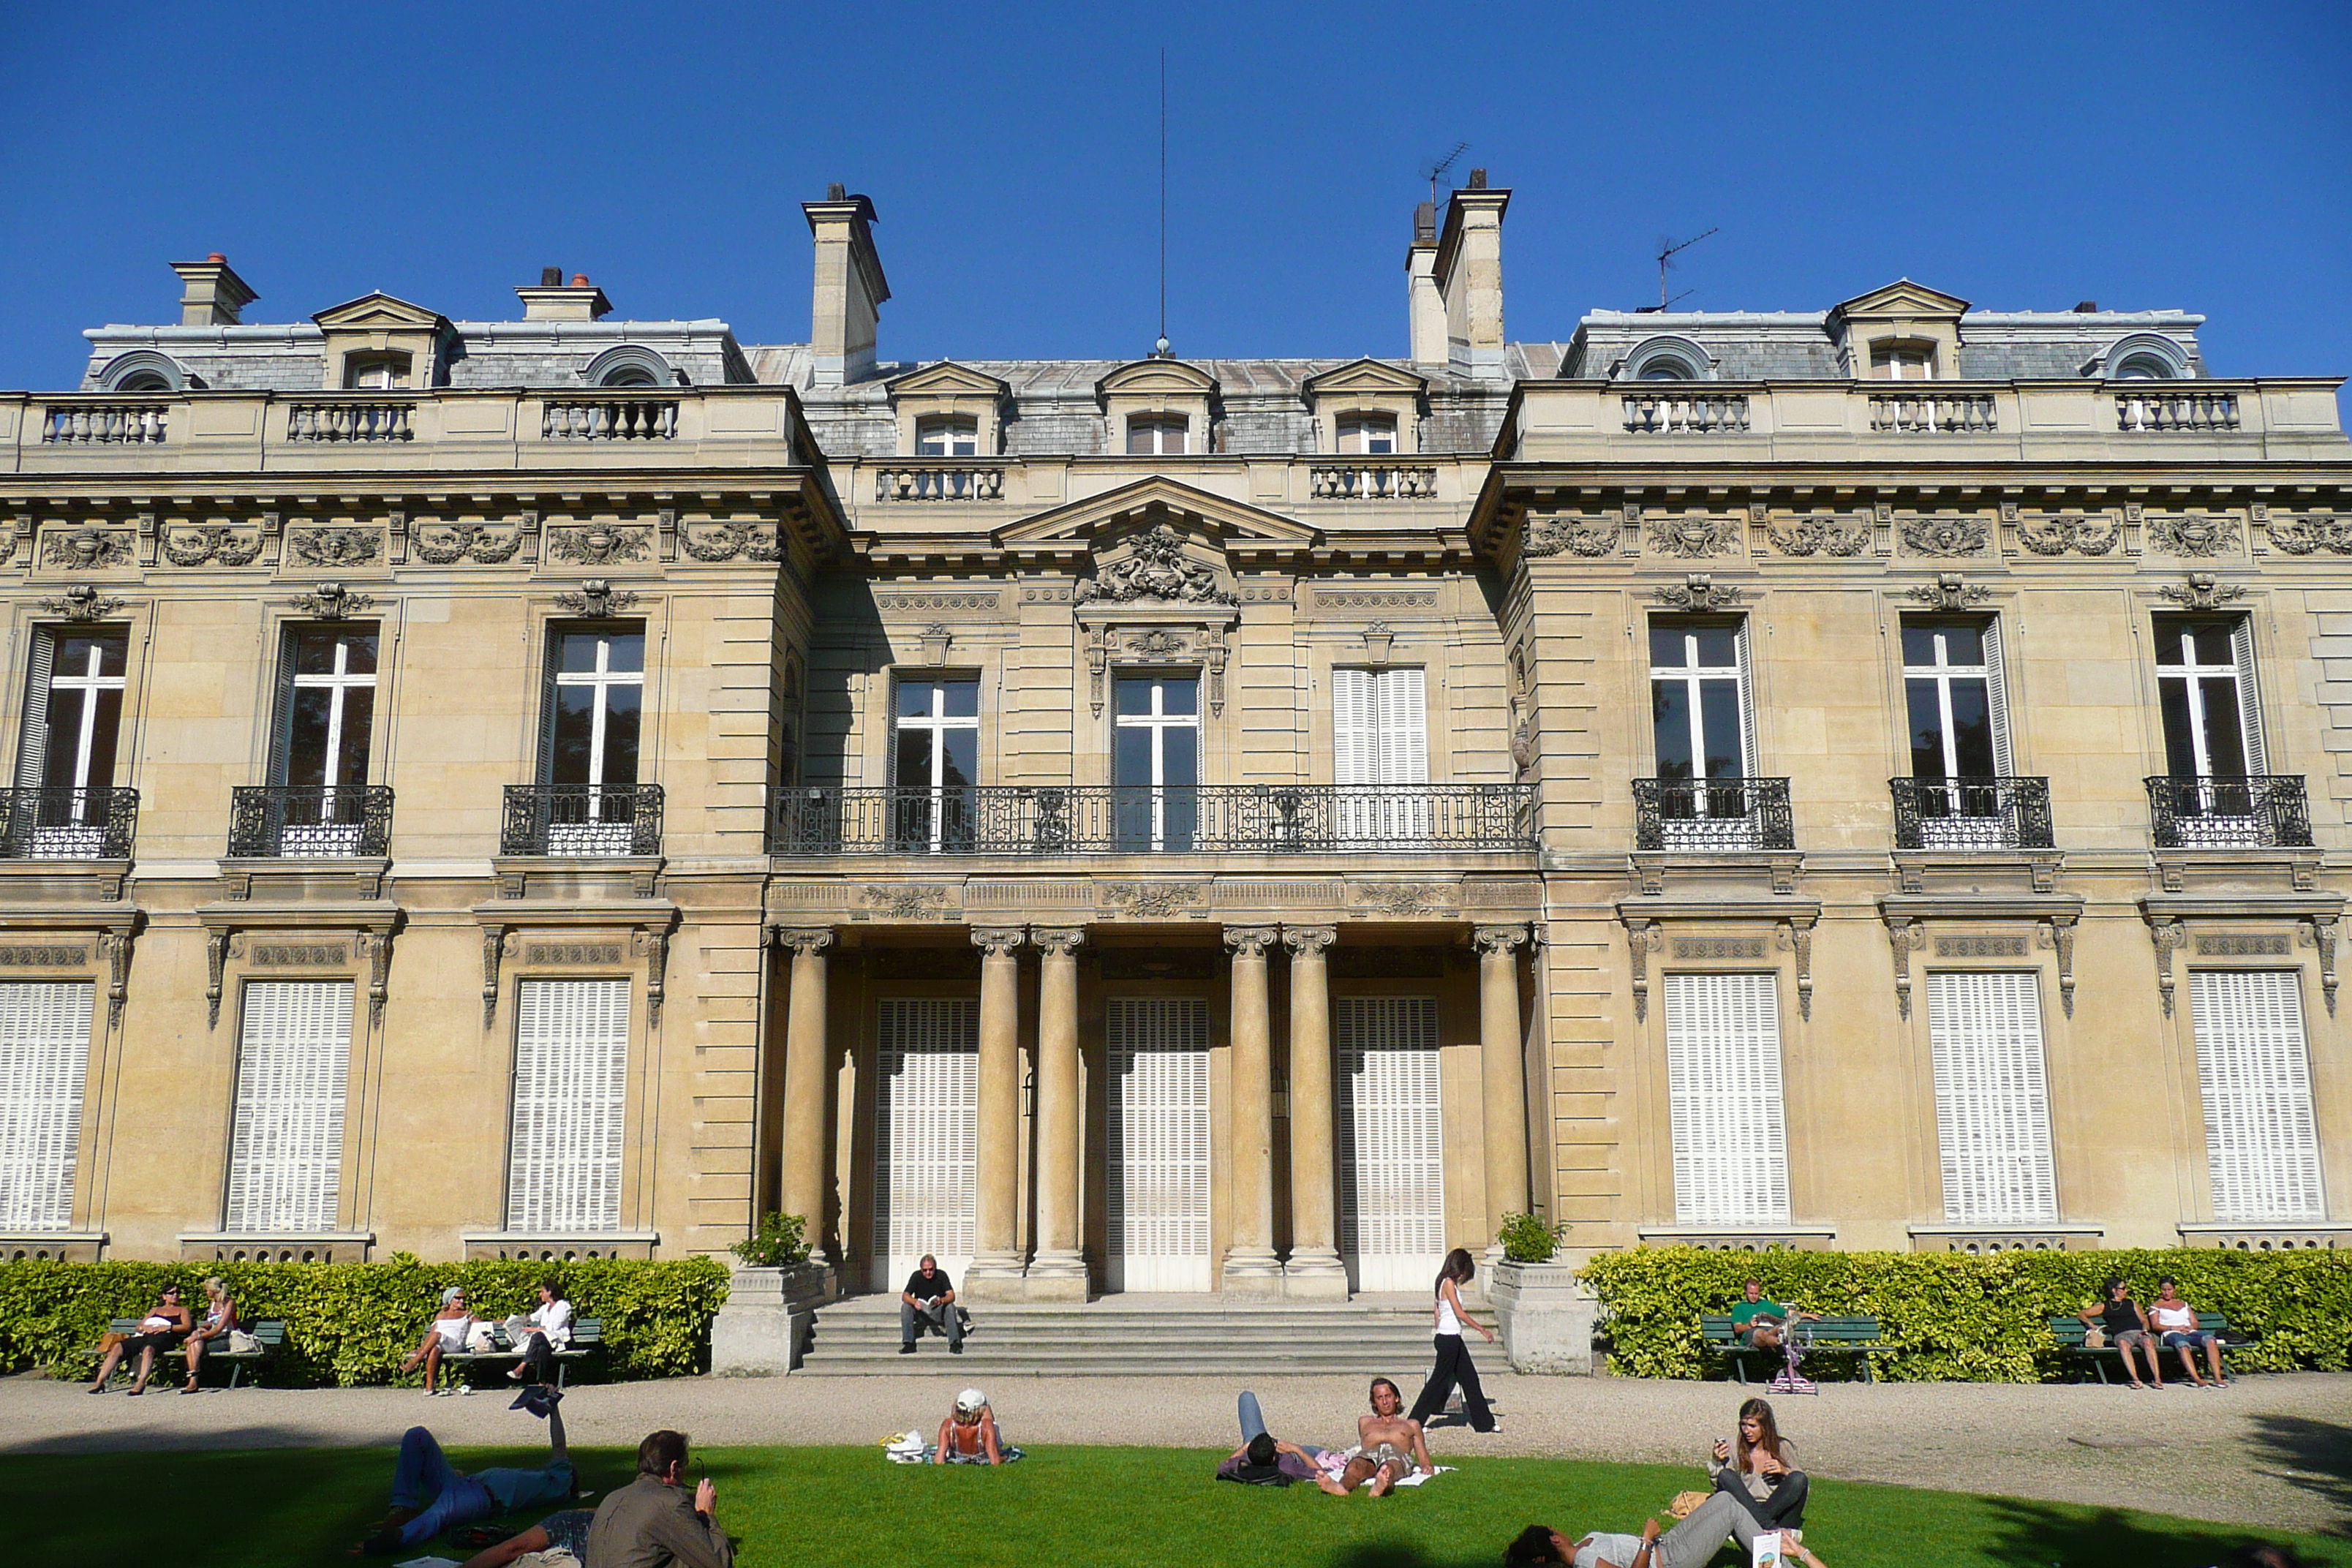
<point>1864,778</point>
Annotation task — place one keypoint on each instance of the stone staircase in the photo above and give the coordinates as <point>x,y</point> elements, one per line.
<point>1136,1336</point>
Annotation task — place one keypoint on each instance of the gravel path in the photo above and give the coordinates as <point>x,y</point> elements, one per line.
<point>2273,1451</point>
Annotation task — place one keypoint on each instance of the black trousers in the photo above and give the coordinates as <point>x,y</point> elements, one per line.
<point>538,1358</point>
<point>1784,1509</point>
<point>1454,1368</point>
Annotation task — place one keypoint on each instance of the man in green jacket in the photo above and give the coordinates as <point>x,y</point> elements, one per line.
<point>649,1523</point>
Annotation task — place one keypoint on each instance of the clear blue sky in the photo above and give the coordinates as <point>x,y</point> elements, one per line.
<point>2143,155</point>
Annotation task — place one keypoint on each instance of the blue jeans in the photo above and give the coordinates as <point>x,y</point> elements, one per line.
<point>424,1478</point>
<point>1254,1423</point>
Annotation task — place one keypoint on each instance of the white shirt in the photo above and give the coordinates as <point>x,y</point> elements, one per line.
<point>2183,1317</point>
<point>554,1320</point>
<point>453,1331</point>
<point>1448,1321</point>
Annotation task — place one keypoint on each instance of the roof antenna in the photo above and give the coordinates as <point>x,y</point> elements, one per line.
<point>1161,351</point>
<point>1667,249</point>
<point>1436,171</point>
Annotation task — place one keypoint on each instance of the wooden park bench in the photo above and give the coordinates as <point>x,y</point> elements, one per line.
<point>2069,1333</point>
<point>267,1335</point>
<point>1858,1337</point>
<point>587,1336</point>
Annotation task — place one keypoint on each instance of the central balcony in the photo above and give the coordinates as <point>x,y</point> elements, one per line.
<point>67,824</point>
<point>1219,819</point>
<point>2261,811</point>
<point>309,823</point>
<point>1971,813</point>
<point>583,821</point>
<point>1700,817</point>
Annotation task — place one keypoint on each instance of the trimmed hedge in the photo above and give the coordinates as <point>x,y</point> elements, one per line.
<point>352,1323</point>
<point>1966,1318</point>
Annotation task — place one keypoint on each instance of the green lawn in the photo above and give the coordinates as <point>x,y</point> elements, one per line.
<point>1061,1508</point>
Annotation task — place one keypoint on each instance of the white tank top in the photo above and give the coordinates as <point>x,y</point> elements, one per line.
<point>1448,1322</point>
<point>2182,1317</point>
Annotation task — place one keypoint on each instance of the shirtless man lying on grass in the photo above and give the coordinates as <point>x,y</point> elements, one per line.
<point>1389,1445</point>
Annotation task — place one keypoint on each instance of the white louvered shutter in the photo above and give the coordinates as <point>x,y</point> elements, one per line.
<point>43,1055</point>
<point>1354,756</point>
<point>286,1151</point>
<point>2250,706</point>
<point>1997,698</point>
<point>2254,1069</point>
<point>1748,751</point>
<point>570,1090</point>
<point>1159,1137</point>
<point>33,739</point>
<point>1723,1090</point>
<point>926,1134</point>
<point>1401,716</point>
<point>1391,1130</point>
<point>1992,1099</point>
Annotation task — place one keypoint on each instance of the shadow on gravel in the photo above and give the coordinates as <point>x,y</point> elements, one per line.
<point>2315,1457</point>
<point>2032,1532</point>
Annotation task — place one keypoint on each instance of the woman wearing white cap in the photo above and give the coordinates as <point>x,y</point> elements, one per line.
<point>968,1436</point>
<point>450,1327</point>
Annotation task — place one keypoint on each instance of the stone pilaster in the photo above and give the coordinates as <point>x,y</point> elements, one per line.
<point>1058,1272</point>
<point>1503,1074</point>
<point>995,1273</point>
<point>1251,1267</point>
<point>1314,1269</point>
<point>807,1065</point>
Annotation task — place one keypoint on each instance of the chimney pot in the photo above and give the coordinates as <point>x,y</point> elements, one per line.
<point>836,192</point>
<point>212,293</point>
<point>1478,179</point>
<point>580,280</point>
<point>1424,222</point>
<point>550,277</point>
<point>2087,307</point>
<point>215,258</point>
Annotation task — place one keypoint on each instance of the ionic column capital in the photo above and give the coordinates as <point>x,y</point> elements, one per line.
<point>806,942</point>
<point>1250,942</point>
<point>1498,942</point>
<point>1308,941</point>
<point>1057,942</point>
<point>998,942</point>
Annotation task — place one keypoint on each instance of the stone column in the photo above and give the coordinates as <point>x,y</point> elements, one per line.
<point>807,1065</point>
<point>1059,1273</point>
<point>1503,1074</point>
<point>996,1210</point>
<point>1251,1267</point>
<point>1315,1269</point>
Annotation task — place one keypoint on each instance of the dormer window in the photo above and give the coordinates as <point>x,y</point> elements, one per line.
<point>2144,367</point>
<point>1665,369</point>
<point>375,373</point>
<point>947,436</point>
<point>630,376</point>
<point>1155,434</point>
<point>1368,434</point>
<point>1902,360</point>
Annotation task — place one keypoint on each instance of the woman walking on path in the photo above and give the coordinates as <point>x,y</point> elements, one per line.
<point>1453,1358</point>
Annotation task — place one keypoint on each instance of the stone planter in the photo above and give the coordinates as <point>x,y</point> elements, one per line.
<point>764,1326</point>
<point>1543,1317</point>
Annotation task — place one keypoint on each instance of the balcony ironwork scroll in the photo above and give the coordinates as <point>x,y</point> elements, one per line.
<point>1076,819</point>
<point>309,823</point>
<point>1971,813</point>
<point>2258,811</point>
<point>67,824</point>
<point>1712,816</point>
<point>581,821</point>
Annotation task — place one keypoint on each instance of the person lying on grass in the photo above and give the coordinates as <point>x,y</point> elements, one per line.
<point>1690,1544</point>
<point>1389,1445</point>
<point>430,1495</point>
<point>968,1436</point>
<point>1265,1461</point>
<point>565,1532</point>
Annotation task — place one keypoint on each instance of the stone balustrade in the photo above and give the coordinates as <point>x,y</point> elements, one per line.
<point>1372,481</point>
<point>1935,412</point>
<point>1682,413</point>
<point>103,424</point>
<point>944,481</point>
<point>609,416</point>
<point>2172,409</point>
<point>369,419</point>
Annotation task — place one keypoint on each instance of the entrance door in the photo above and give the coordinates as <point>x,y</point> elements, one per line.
<point>1391,1142</point>
<point>1159,1176</point>
<point>926,1136</point>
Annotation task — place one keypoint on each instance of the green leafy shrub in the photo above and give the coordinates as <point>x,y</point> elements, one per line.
<point>779,1243</point>
<point>1529,1239</point>
<point>352,1323</point>
<point>1970,1319</point>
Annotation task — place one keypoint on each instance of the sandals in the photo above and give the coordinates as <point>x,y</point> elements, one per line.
<point>188,1388</point>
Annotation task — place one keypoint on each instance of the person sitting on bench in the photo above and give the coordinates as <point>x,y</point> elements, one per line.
<point>2176,1319</point>
<point>220,1321</point>
<point>929,1300</point>
<point>547,1331</point>
<point>447,1337</point>
<point>1759,1322</point>
<point>2125,1326</point>
<point>430,1495</point>
<point>158,1331</point>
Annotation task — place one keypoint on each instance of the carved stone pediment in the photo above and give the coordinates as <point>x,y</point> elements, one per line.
<point>1151,502</point>
<point>1155,566</point>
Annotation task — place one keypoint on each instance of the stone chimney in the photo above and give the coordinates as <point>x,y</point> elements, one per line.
<point>849,290</point>
<point>1470,277</point>
<point>1425,306</point>
<point>553,301</point>
<point>215,293</point>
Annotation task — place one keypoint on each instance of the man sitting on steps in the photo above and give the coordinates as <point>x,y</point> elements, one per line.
<point>929,1300</point>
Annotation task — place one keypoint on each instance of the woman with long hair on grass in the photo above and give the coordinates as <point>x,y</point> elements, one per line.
<point>1453,1358</point>
<point>1758,1469</point>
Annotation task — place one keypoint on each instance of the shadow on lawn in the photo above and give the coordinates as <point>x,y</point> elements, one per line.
<point>2032,1532</point>
<point>2315,1457</point>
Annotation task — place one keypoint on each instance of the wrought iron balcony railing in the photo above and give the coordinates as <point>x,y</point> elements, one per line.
<point>1208,819</point>
<point>1971,813</point>
<point>1706,815</point>
<point>305,822</point>
<point>2261,810</point>
<point>67,824</point>
<point>587,821</point>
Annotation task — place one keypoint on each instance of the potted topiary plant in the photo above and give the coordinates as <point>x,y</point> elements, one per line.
<point>1543,1317</point>
<point>771,1302</point>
